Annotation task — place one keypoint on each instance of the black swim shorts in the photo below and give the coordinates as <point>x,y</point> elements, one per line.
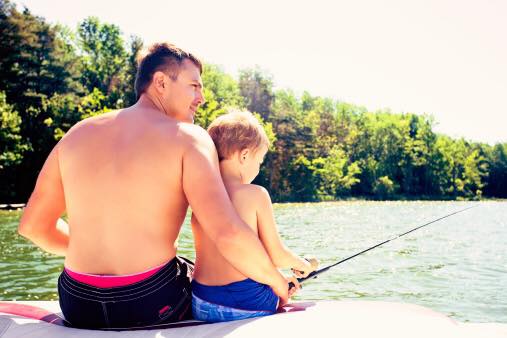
<point>164,297</point>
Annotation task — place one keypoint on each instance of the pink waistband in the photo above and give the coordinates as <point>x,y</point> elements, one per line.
<point>109,281</point>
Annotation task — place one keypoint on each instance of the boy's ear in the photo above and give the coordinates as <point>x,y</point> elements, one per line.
<point>243,154</point>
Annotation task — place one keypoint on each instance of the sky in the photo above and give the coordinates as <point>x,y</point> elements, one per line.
<point>447,58</point>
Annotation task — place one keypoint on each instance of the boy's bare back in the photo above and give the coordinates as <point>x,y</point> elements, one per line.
<point>211,267</point>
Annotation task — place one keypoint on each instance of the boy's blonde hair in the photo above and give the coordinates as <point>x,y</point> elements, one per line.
<point>235,131</point>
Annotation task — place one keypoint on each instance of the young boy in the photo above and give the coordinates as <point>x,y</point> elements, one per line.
<point>219,291</point>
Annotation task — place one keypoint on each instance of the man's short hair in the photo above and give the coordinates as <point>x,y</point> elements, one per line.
<point>163,57</point>
<point>235,131</point>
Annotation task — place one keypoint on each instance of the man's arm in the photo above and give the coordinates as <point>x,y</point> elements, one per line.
<point>40,222</point>
<point>211,205</point>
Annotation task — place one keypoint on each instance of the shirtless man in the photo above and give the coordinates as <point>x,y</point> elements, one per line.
<point>126,179</point>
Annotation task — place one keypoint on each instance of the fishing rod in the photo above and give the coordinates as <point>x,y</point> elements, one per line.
<point>315,273</point>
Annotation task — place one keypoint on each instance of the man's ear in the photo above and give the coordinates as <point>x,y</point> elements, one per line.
<point>159,80</point>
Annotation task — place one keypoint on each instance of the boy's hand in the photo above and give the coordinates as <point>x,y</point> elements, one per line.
<point>308,265</point>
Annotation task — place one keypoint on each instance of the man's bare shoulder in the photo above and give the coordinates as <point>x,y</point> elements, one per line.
<point>193,132</point>
<point>92,121</point>
<point>99,119</point>
<point>194,135</point>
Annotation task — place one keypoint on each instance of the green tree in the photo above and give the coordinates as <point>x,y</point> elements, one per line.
<point>377,148</point>
<point>474,171</point>
<point>384,187</point>
<point>336,174</point>
<point>418,140</point>
<point>257,89</point>
<point>11,143</point>
<point>61,111</point>
<point>12,147</point>
<point>220,93</point>
<point>284,169</point>
<point>496,184</point>
<point>104,59</point>
<point>127,86</point>
<point>35,65</point>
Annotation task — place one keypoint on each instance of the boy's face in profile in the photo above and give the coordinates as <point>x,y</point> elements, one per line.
<point>252,162</point>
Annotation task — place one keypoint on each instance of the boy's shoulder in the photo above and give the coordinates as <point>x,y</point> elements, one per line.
<point>253,188</point>
<point>252,193</point>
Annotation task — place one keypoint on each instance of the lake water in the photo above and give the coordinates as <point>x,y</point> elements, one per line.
<point>457,266</point>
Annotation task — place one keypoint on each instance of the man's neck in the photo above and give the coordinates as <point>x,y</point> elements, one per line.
<point>147,101</point>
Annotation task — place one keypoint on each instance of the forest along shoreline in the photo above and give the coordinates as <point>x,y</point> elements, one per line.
<point>323,149</point>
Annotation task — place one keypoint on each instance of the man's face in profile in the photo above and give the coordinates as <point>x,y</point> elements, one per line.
<point>185,95</point>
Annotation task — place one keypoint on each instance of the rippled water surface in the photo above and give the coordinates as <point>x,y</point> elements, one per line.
<point>457,266</point>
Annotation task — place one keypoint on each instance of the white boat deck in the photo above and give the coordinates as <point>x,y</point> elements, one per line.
<point>320,319</point>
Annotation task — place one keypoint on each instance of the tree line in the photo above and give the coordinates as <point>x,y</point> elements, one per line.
<point>323,149</point>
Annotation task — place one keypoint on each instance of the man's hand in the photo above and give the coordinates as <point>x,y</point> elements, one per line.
<point>281,290</point>
<point>289,288</point>
<point>295,288</point>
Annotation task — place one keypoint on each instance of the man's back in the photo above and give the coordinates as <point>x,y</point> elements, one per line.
<point>121,174</point>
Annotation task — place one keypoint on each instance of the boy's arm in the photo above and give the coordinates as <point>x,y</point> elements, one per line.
<point>281,256</point>
<point>209,201</point>
<point>40,222</point>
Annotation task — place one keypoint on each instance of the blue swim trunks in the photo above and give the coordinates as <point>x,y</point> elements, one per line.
<point>234,301</point>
